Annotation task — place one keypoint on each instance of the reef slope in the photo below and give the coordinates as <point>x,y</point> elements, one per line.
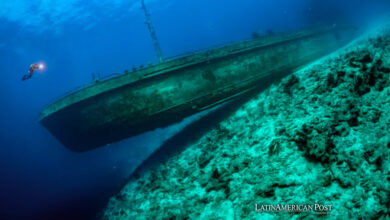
<point>320,135</point>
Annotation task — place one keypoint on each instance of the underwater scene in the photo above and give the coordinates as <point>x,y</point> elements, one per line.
<point>168,109</point>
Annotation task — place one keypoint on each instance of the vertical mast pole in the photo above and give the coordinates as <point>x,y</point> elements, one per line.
<point>148,22</point>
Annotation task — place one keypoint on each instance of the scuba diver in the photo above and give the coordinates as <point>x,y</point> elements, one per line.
<point>32,68</point>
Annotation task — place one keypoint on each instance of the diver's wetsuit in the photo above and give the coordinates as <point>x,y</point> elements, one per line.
<point>30,72</point>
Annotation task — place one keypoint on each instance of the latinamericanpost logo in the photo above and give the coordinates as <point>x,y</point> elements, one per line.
<point>314,208</point>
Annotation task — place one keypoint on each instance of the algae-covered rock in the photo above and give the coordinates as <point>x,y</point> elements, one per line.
<point>320,136</point>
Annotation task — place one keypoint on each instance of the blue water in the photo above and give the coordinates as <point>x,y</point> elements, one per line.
<point>40,178</point>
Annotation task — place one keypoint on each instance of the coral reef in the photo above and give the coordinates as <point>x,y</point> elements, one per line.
<point>320,136</point>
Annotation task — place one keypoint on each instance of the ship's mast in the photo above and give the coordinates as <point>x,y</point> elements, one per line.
<point>148,22</point>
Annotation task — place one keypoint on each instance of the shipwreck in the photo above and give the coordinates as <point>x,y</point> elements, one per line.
<point>158,95</point>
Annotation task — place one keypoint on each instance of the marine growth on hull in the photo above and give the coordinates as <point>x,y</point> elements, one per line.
<point>157,96</point>
<point>320,136</point>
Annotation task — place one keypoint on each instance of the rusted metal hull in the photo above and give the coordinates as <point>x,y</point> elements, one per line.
<point>157,96</point>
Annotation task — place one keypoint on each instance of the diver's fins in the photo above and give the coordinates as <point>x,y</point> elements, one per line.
<point>25,77</point>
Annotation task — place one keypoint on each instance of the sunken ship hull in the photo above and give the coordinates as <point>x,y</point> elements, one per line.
<point>156,96</point>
